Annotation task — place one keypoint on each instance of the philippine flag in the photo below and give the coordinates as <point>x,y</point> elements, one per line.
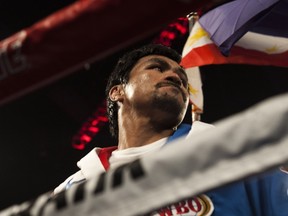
<point>253,48</point>
<point>238,32</point>
<point>245,31</point>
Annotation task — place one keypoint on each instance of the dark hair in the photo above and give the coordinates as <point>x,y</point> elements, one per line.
<point>121,72</point>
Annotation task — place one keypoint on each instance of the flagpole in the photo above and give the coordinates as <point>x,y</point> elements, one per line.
<point>193,17</point>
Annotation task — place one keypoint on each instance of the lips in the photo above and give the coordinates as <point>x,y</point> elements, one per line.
<point>163,84</point>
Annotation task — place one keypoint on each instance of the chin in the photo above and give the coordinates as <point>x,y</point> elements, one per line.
<point>171,105</point>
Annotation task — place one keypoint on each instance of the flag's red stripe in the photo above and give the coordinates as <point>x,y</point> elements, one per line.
<point>209,54</point>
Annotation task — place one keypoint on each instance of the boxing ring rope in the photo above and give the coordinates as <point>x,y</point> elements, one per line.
<point>80,34</point>
<point>246,144</point>
<point>52,48</point>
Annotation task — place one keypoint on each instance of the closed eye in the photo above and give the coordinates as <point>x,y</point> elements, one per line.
<point>156,67</point>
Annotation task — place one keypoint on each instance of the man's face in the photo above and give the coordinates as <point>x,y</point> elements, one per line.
<point>158,82</point>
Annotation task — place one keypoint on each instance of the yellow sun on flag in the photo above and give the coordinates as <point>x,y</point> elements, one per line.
<point>198,34</point>
<point>272,49</point>
<point>192,90</point>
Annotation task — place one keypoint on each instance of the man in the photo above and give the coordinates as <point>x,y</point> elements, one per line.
<point>147,98</point>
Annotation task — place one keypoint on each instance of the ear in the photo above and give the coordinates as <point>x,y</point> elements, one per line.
<point>116,93</point>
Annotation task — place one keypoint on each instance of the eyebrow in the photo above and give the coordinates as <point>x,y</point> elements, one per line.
<point>179,69</point>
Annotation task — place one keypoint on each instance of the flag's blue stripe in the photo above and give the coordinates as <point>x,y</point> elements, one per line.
<point>276,22</point>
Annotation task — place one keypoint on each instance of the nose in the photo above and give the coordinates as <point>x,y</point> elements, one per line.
<point>174,78</point>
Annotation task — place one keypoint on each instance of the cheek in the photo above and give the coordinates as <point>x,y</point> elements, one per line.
<point>139,86</point>
<point>129,90</point>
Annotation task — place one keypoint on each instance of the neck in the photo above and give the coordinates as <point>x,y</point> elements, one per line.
<point>135,132</point>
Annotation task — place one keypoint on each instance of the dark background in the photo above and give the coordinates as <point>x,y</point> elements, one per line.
<point>36,129</point>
